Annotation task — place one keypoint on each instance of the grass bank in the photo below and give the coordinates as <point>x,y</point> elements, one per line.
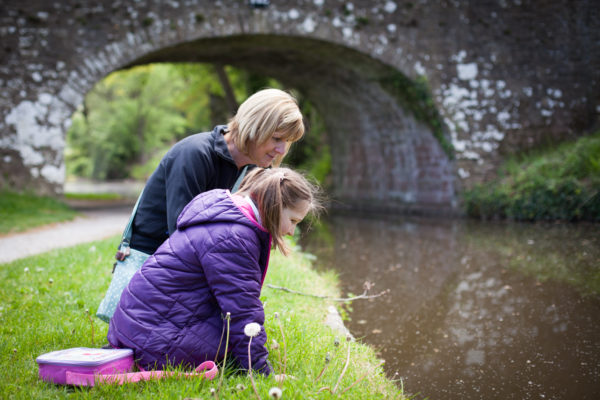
<point>558,184</point>
<point>47,300</point>
<point>22,211</point>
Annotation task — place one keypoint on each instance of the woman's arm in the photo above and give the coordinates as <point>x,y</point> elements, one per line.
<point>186,176</point>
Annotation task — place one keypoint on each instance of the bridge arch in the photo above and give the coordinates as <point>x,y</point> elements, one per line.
<point>338,54</point>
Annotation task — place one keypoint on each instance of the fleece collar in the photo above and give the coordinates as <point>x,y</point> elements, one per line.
<point>219,143</point>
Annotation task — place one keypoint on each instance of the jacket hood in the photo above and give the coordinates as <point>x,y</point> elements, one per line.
<point>210,207</point>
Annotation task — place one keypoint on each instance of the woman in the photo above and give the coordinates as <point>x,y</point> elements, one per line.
<point>213,264</point>
<point>260,134</point>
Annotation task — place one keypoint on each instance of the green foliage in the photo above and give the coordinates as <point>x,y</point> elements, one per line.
<point>127,116</point>
<point>563,183</point>
<point>132,117</point>
<point>22,211</point>
<point>56,291</point>
<point>312,154</point>
<point>415,95</point>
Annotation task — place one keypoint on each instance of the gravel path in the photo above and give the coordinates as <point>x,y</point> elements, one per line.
<point>93,224</point>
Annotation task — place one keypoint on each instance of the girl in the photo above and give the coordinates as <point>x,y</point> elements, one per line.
<point>214,263</point>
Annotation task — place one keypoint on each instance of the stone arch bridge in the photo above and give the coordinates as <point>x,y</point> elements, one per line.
<point>420,98</point>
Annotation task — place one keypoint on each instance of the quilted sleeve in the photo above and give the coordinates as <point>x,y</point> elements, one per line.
<point>234,276</point>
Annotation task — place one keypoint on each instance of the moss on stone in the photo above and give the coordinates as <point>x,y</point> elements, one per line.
<point>414,95</point>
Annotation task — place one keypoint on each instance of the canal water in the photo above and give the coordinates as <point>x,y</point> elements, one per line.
<point>476,310</point>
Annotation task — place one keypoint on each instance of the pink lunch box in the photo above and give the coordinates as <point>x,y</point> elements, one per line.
<point>53,366</point>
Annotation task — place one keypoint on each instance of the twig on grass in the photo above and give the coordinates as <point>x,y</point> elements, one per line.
<point>364,295</point>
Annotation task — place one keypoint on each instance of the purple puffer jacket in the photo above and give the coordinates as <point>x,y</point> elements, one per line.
<point>214,263</point>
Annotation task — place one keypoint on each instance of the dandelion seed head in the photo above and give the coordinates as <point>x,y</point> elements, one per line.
<point>240,387</point>
<point>50,280</point>
<point>327,358</point>
<point>26,269</point>
<point>252,329</point>
<point>336,341</point>
<point>275,345</point>
<point>275,393</point>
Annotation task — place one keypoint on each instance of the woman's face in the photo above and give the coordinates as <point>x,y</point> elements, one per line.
<point>264,154</point>
<point>290,217</point>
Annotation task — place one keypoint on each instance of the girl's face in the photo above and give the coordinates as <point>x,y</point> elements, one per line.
<point>290,217</point>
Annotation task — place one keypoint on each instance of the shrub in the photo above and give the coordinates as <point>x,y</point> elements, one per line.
<point>559,184</point>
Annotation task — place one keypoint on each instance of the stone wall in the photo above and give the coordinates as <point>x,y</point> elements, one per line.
<point>504,76</point>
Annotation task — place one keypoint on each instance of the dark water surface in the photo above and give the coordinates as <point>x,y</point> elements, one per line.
<point>477,310</point>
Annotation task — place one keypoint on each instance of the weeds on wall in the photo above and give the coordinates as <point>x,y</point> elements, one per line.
<point>415,95</point>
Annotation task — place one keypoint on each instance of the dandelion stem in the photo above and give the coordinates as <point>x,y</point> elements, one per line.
<point>343,370</point>
<point>360,379</point>
<point>279,358</point>
<point>321,373</point>
<point>220,342</point>
<point>87,311</point>
<point>250,370</point>
<point>227,318</point>
<point>284,350</point>
<point>327,361</point>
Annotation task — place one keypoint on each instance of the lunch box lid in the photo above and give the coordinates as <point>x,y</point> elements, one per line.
<point>83,356</point>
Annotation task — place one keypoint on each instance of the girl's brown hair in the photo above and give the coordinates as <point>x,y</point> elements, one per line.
<point>274,189</point>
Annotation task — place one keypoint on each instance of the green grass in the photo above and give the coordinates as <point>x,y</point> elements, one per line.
<point>22,211</point>
<point>44,307</point>
<point>558,184</point>
<point>93,196</point>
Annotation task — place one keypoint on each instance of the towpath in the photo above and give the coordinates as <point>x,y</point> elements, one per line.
<point>95,222</point>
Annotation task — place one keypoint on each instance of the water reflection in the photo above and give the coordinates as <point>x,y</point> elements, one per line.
<point>476,310</point>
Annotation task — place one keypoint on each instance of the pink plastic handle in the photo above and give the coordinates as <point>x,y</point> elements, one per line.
<point>207,369</point>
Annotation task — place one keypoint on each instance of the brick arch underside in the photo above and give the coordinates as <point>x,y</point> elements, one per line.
<point>383,158</point>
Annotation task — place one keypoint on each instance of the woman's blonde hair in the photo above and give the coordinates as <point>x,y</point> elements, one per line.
<point>273,189</point>
<point>264,113</point>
